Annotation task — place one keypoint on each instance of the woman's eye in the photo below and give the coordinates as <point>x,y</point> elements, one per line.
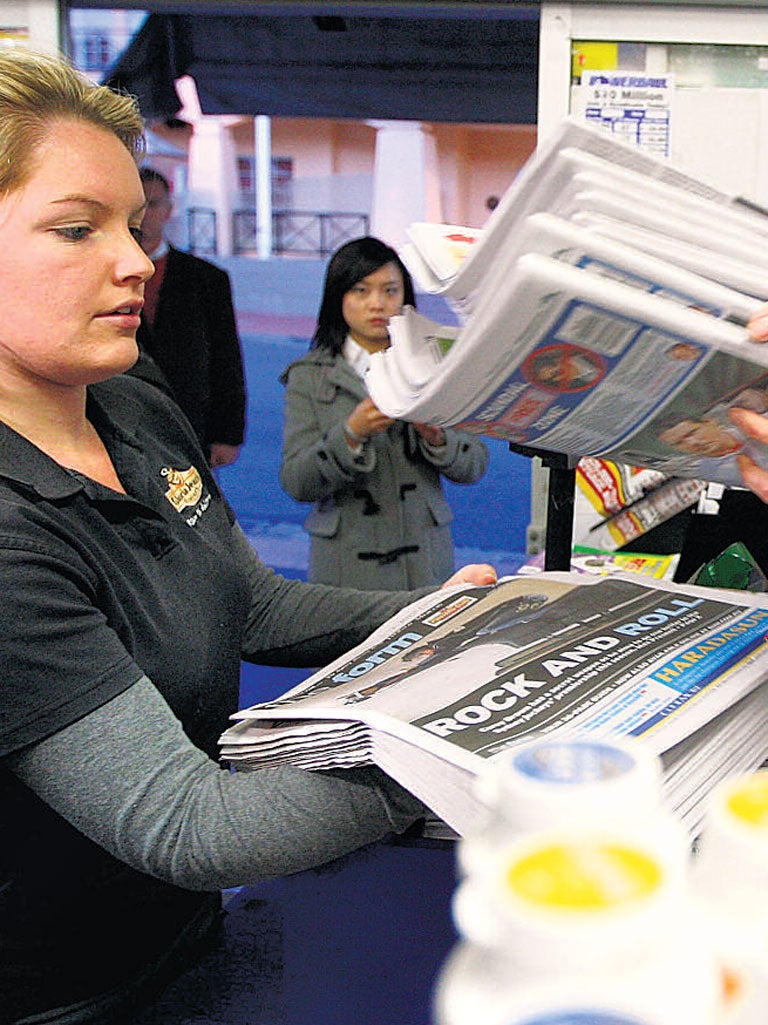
<point>137,233</point>
<point>74,232</point>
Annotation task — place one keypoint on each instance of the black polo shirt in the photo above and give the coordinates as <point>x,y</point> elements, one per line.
<point>97,590</point>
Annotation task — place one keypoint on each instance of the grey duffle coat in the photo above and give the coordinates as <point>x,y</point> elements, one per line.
<point>380,519</point>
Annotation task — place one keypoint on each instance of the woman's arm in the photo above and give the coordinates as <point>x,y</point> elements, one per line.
<point>127,776</point>
<point>316,463</point>
<point>293,623</point>
<point>462,458</point>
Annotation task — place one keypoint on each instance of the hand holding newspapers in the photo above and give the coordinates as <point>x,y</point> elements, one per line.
<point>456,678</point>
<point>603,312</point>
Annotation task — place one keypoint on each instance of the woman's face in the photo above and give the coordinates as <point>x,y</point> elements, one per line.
<point>369,304</point>
<point>72,270</point>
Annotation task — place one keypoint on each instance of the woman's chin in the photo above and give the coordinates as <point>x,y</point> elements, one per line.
<point>117,363</point>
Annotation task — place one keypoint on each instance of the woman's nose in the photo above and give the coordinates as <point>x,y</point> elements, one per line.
<point>133,262</point>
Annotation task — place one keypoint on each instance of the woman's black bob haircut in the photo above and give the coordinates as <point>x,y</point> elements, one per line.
<point>351,263</point>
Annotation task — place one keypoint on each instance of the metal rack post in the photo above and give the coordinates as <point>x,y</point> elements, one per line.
<point>561,496</point>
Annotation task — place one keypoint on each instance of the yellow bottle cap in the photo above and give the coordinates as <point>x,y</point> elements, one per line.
<point>584,876</point>
<point>748,801</point>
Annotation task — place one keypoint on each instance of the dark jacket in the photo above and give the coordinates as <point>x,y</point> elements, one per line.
<point>194,342</point>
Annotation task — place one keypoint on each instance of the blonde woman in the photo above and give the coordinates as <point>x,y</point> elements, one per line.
<point>129,598</point>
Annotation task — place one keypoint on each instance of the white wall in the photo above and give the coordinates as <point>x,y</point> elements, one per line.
<point>38,18</point>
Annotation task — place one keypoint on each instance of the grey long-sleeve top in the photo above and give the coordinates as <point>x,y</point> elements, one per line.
<point>127,776</point>
<point>113,807</point>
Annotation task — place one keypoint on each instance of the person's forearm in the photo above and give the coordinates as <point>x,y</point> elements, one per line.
<point>463,459</point>
<point>313,469</point>
<point>128,777</point>
<point>292,623</point>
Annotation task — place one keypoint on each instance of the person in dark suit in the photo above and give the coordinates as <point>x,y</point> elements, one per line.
<point>188,328</point>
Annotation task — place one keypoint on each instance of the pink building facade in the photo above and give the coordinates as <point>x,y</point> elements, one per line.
<point>391,172</point>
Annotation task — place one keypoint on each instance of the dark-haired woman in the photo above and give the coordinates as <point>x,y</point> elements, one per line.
<point>379,518</point>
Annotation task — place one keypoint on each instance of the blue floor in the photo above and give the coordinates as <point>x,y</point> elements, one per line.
<point>490,517</point>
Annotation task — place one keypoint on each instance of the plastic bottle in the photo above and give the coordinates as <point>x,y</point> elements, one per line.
<point>579,925</point>
<point>730,883</point>
<point>551,782</point>
<point>573,906</point>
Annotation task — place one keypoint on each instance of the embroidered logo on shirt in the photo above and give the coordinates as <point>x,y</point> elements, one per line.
<point>184,487</point>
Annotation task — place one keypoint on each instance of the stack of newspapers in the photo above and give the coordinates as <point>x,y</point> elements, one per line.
<point>457,678</point>
<point>602,312</point>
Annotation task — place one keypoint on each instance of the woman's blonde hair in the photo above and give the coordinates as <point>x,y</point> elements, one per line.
<point>37,89</point>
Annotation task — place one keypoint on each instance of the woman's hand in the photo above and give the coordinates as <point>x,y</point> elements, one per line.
<point>754,425</point>
<point>758,324</point>
<point>431,433</point>
<point>480,574</point>
<point>365,420</point>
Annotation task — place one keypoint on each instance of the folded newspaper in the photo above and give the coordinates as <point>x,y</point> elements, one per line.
<point>589,176</point>
<point>603,311</point>
<point>455,679</point>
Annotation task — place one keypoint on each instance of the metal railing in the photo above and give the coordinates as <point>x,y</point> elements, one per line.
<point>306,232</point>
<point>244,239</point>
<point>201,230</point>
<point>299,231</point>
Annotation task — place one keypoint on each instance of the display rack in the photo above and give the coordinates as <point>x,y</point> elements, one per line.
<point>561,497</point>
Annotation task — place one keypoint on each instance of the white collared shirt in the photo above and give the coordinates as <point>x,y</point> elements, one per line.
<point>357,357</point>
